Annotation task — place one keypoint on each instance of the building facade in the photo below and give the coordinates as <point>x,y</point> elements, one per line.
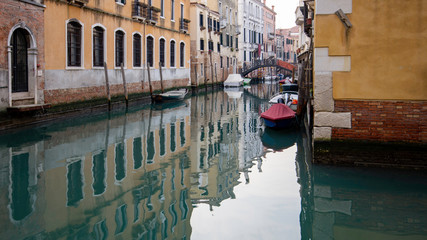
<point>252,22</point>
<point>369,71</point>
<point>231,32</point>
<point>291,36</point>
<point>269,34</point>
<point>22,60</point>
<point>204,42</point>
<point>130,34</point>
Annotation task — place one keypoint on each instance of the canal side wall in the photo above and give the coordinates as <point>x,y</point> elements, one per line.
<point>64,86</point>
<point>388,121</point>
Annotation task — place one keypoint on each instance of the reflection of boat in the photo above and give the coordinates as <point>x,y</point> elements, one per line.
<point>279,116</point>
<point>178,94</point>
<point>168,105</point>
<point>233,80</point>
<point>278,139</point>
<point>234,92</point>
<point>290,98</point>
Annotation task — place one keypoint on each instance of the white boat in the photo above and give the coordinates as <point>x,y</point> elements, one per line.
<point>233,80</point>
<point>290,98</point>
<point>178,94</point>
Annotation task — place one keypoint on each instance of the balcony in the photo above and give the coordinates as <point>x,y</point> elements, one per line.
<point>237,29</point>
<point>183,25</point>
<point>271,36</point>
<point>223,23</point>
<point>79,3</point>
<point>144,12</point>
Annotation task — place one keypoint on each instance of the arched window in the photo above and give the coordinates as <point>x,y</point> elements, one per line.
<point>172,50</point>
<point>74,44</point>
<point>182,55</point>
<point>98,46</point>
<point>137,50</point>
<point>120,48</point>
<point>150,51</point>
<point>162,52</point>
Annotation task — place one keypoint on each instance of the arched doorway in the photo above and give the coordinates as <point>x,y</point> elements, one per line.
<point>22,59</point>
<point>20,45</point>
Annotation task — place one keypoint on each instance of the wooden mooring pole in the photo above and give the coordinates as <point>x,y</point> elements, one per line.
<point>107,86</point>
<point>161,77</point>
<point>124,85</point>
<point>149,80</point>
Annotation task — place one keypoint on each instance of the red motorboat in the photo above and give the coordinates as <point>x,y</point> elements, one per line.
<point>279,116</point>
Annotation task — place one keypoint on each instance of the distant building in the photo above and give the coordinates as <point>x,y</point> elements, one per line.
<point>22,60</point>
<point>291,36</point>
<point>269,34</point>
<point>230,33</point>
<point>81,35</point>
<point>251,19</point>
<point>280,46</point>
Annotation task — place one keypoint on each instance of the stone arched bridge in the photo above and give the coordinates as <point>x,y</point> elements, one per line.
<point>271,62</point>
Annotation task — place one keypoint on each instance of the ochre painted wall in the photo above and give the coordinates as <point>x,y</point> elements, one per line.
<point>388,50</point>
<point>56,15</point>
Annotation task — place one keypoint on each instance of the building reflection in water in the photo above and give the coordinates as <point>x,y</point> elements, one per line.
<point>138,175</point>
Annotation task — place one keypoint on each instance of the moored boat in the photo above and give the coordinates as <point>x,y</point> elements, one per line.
<point>233,80</point>
<point>279,116</point>
<point>178,94</point>
<point>290,98</point>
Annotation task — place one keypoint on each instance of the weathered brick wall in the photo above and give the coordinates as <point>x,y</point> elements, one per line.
<point>384,121</point>
<point>86,93</point>
<point>31,17</point>
<point>14,12</point>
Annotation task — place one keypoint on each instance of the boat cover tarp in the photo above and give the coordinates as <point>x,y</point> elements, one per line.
<point>233,80</point>
<point>278,111</point>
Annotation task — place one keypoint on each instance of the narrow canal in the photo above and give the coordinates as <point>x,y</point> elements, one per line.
<point>197,169</point>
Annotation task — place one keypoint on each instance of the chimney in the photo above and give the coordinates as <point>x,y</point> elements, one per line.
<point>264,1</point>
<point>272,8</point>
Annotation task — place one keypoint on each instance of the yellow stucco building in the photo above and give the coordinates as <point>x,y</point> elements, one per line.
<point>370,70</point>
<point>81,35</point>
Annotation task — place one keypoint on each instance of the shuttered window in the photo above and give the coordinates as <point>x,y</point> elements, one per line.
<point>150,51</point>
<point>182,55</point>
<point>74,44</point>
<point>162,52</point>
<point>98,47</point>
<point>120,48</point>
<point>172,53</point>
<point>137,50</point>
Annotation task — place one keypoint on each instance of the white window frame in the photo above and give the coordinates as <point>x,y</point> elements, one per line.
<point>105,45</point>
<point>173,10</point>
<point>166,58</point>
<point>180,54</point>
<point>82,45</point>
<point>124,48</point>
<point>162,8</point>
<point>154,50</point>
<point>142,51</point>
<point>174,53</point>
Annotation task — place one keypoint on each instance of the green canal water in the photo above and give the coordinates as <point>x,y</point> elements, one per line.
<point>197,169</point>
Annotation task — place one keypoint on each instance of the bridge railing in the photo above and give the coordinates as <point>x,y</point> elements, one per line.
<point>261,62</point>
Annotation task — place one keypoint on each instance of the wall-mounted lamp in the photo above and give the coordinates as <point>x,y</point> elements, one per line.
<point>344,19</point>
